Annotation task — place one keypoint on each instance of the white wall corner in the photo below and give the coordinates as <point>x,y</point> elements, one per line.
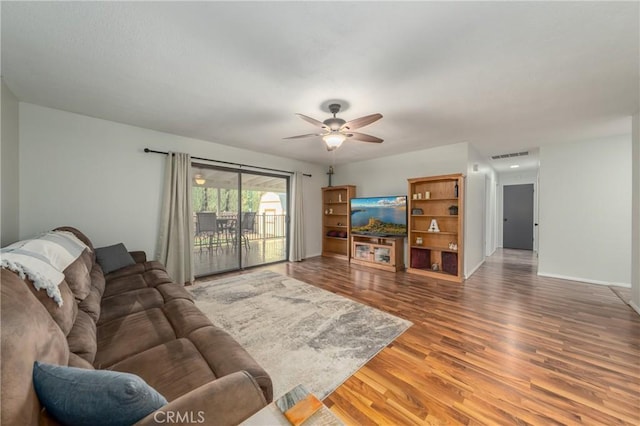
<point>9,167</point>
<point>473,271</point>
<point>583,280</point>
<point>635,212</point>
<point>576,178</point>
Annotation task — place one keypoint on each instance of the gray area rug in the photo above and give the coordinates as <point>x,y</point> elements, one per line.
<point>298,333</point>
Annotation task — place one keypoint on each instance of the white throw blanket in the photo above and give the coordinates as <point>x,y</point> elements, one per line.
<point>43,260</point>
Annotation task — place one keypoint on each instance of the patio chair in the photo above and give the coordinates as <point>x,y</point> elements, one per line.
<point>248,226</point>
<point>207,225</point>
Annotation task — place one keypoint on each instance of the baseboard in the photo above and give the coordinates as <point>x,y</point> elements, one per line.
<point>466,276</point>
<point>634,306</point>
<point>583,280</point>
<point>491,254</point>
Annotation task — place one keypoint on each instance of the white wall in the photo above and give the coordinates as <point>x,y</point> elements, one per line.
<point>93,174</point>
<point>479,222</point>
<point>9,171</point>
<point>491,225</point>
<point>516,178</point>
<point>388,176</point>
<point>585,211</point>
<point>635,219</point>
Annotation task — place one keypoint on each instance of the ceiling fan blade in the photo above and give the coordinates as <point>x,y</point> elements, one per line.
<point>363,137</point>
<point>361,122</point>
<point>312,121</point>
<point>308,135</point>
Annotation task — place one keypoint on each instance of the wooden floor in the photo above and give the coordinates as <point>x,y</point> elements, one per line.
<point>506,347</point>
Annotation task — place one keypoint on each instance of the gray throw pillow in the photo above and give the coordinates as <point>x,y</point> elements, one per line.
<point>113,257</point>
<point>77,396</point>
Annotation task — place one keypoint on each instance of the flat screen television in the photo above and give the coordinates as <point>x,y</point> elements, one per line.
<point>379,216</point>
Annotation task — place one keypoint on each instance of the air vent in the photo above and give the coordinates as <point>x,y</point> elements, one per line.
<point>513,154</point>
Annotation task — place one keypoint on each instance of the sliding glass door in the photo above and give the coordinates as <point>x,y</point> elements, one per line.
<point>264,221</point>
<point>240,219</point>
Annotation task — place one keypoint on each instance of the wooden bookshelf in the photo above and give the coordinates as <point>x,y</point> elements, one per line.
<point>336,220</point>
<point>439,198</point>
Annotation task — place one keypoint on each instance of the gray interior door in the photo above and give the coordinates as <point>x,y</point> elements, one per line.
<point>517,228</point>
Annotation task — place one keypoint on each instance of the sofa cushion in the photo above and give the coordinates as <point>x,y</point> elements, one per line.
<point>172,291</point>
<point>132,334</point>
<point>91,304</point>
<point>78,277</point>
<point>185,317</point>
<point>82,338</point>
<point>225,356</point>
<point>112,258</point>
<point>97,279</point>
<point>93,397</point>
<point>173,368</point>
<point>64,315</point>
<point>123,284</point>
<point>28,334</point>
<point>128,303</point>
<point>135,269</point>
<point>76,361</point>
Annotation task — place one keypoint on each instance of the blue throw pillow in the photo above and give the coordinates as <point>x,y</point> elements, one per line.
<point>77,396</point>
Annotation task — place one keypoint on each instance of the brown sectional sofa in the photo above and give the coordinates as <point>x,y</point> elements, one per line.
<point>133,320</point>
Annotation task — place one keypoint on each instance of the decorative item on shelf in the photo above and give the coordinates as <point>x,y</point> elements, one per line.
<point>450,263</point>
<point>435,267</point>
<point>336,234</point>
<point>419,195</point>
<point>455,190</point>
<point>417,211</point>
<point>326,211</point>
<point>339,224</point>
<point>453,210</point>
<point>427,195</point>
<point>434,226</point>
<point>330,211</point>
<point>419,241</point>
<point>339,198</point>
<point>415,196</point>
<point>453,246</point>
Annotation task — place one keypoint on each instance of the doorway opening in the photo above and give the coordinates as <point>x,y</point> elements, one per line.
<point>240,218</point>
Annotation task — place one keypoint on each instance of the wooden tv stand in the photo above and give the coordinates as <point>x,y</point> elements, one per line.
<point>385,253</point>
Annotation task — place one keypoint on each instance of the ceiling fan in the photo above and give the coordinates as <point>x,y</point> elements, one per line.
<point>337,130</point>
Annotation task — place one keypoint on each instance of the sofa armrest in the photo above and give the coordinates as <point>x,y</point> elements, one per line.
<point>138,256</point>
<point>225,401</point>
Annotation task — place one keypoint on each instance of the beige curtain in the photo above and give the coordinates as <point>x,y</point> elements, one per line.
<point>175,242</point>
<point>296,250</point>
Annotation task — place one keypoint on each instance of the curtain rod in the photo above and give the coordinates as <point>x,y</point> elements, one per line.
<point>147,150</point>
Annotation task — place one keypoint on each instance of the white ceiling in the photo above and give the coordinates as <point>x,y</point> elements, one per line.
<point>502,76</point>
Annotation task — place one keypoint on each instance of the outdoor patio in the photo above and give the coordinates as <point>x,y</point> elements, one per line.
<point>223,251</point>
<point>225,257</point>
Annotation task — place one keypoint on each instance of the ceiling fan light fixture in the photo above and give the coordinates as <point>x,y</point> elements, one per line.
<point>200,180</point>
<point>334,140</point>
